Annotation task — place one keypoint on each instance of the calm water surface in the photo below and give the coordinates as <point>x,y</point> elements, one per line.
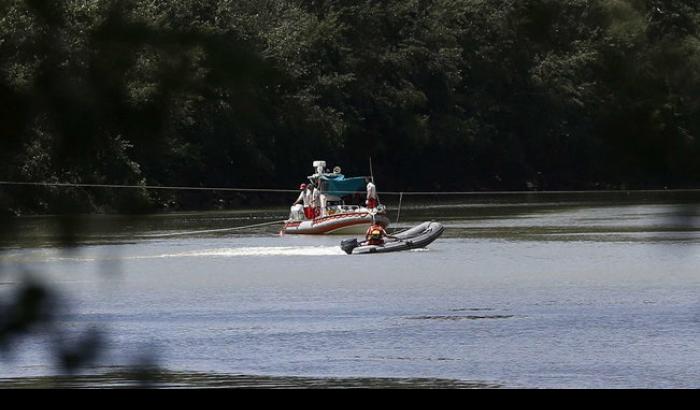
<point>516,293</point>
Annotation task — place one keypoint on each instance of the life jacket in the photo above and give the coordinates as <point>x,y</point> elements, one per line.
<point>375,235</point>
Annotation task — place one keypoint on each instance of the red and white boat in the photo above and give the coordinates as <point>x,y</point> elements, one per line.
<point>342,208</point>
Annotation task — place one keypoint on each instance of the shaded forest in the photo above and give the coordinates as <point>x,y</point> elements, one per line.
<point>443,95</point>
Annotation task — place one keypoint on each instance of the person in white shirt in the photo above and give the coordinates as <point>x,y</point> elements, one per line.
<point>316,202</point>
<point>305,197</point>
<point>324,203</point>
<point>372,200</point>
<point>300,198</point>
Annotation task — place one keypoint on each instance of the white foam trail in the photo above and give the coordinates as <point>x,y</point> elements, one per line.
<point>261,251</point>
<point>206,253</point>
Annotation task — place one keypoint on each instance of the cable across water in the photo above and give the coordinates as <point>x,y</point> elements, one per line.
<point>237,228</point>
<point>281,190</point>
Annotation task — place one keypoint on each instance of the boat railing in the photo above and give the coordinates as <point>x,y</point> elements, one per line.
<point>340,209</point>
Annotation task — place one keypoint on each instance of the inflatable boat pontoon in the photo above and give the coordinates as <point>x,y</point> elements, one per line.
<point>417,237</point>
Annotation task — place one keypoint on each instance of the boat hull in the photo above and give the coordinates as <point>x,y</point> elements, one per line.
<point>346,223</point>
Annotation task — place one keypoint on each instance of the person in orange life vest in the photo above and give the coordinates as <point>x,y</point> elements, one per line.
<point>372,200</point>
<point>305,198</point>
<point>375,234</point>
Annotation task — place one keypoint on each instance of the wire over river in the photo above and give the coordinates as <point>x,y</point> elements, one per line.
<point>280,190</point>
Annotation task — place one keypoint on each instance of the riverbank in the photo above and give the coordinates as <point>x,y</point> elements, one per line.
<point>122,202</point>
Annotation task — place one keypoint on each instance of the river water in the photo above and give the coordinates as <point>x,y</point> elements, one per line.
<point>518,292</point>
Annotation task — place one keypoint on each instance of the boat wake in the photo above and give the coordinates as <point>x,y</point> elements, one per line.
<point>251,251</point>
<point>262,251</point>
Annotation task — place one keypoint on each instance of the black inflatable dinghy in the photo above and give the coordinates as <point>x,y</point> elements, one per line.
<point>417,237</point>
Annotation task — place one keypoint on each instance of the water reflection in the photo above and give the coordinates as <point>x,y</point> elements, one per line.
<point>517,282</point>
<point>179,380</point>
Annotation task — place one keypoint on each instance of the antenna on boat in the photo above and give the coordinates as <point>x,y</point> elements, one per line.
<point>371,172</point>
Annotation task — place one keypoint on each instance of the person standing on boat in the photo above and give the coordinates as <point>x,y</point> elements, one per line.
<point>300,198</point>
<point>305,197</point>
<point>316,202</point>
<point>372,200</point>
<point>324,204</point>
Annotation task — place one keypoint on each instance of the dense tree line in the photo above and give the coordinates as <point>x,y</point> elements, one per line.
<point>442,94</point>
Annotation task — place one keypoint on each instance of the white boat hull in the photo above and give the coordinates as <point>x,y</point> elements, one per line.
<point>345,223</point>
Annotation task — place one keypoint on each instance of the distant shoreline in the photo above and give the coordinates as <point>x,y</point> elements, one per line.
<point>391,198</point>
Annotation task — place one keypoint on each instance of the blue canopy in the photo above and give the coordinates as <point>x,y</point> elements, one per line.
<point>338,185</point>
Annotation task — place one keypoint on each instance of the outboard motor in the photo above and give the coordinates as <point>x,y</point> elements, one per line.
<point>348,245</point>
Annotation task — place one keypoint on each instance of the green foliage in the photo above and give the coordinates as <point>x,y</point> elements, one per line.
<point>458,94</point>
